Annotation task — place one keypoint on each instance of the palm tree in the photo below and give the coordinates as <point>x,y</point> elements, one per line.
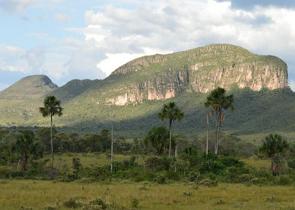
<point>218,101</point>
<point>171,112</point>
<point>274,146</point>
<point>51,108</point>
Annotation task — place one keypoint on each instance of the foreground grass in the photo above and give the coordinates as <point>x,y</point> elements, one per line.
<point>27,194</point>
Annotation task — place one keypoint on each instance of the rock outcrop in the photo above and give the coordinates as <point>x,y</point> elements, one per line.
<point>199,70</point>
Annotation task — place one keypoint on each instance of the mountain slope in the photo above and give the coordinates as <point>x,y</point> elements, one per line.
<point>133,94</point>
<point>20,102</point>
<point>74,88</point>
<point>198,70</point>
<point>32,86</point>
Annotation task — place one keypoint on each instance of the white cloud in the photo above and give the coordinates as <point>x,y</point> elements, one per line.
<point>172,25</point>
<point>67,59</point>
<point>114,35</point>
<point>22,5</point>
<point>13,59</point>
<point>115,60</point>
<point>16,5</point>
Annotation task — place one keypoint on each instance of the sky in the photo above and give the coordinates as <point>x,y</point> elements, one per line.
<point>78,39</point>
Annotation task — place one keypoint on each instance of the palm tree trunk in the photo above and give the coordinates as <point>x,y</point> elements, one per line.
<point>217,144</point>
<point>170,137</point>
<point>207,140</point>
<point>216,133</point>
<point>51,141</point>
<point>112,148</point>
<point>175,157</point>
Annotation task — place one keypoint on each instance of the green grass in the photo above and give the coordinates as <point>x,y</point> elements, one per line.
<point>88,159</point>
<point>257,163</point>
<point>181,196</point>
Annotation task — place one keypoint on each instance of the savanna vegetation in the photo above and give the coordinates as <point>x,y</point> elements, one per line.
<point>159,170</point>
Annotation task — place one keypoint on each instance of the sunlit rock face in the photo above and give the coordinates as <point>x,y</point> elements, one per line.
<point>199,70</point>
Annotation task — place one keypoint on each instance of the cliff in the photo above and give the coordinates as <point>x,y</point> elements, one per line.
<point>198,70</point>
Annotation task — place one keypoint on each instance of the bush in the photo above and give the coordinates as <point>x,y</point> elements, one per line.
<point>98,173</point>
<point>73,203</point>
<point>193,176</point>
<point>211,166</point>
<point>208,183</point>
<point>172,175</point>
<point>134,203</point>
<point>282,180</point>
<point>231,162</point>
<point>291,163</point>
<point>5,172</point>
<point>160,179</point>
<point>158,163</point>
<point>99,203</point>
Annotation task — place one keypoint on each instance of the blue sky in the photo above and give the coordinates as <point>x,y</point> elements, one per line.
<point>67,39</point>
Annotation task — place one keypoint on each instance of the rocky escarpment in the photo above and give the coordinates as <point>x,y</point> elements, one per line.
<point>199,70</point>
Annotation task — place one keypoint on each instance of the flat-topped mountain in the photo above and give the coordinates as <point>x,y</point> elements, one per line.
<point>134,93</point>
<point>198,70</point>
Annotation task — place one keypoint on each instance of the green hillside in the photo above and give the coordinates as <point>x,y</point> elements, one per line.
<point>133,94</point>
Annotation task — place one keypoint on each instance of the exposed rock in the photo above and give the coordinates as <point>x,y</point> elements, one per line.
<point>199,70</point>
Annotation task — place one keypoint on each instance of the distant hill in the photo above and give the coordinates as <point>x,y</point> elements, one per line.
<point>32,86</point>
<point>133,94</point>
<point>74,88</point>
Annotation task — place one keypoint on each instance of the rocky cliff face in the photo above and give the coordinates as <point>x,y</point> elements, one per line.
<point>199,70</point>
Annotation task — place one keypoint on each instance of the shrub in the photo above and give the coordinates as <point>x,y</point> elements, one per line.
<point>158,163</point>
<point>160,179</point>
<point>99,173</point>
<point>212,166</point>
<point>4,172</point>
<point>208,183</point>
<point>172,175</point>
<point>231,162</point>
<point>73,203</point>
<point>291,163</point>
<point>134,203</point>
<point>99,203</point>
<point>282,180</point>
<point>193,176</point>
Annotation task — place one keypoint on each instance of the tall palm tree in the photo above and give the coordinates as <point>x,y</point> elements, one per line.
<point>218,101</point>
<point>51,108</point>
<point>171,112</point>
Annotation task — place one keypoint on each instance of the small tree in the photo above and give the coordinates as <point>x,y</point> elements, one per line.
<point>76,165</point>
<point>157,138</point>
<point>171,112</point>
<point>26,147</point>
<point>51,108</point>
<point>218,101</point>
<point>274,147</point>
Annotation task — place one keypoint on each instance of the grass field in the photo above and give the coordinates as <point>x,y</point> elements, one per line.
<point>24,194</point>
<point>92,159</point>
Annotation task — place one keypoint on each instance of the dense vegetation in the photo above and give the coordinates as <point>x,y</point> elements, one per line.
<point>159,156</point>
<point>24,153</point>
